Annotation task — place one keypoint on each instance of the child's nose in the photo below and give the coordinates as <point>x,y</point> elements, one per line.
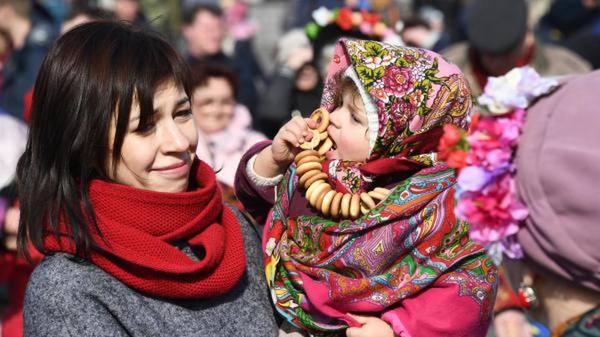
<point>334,118</point>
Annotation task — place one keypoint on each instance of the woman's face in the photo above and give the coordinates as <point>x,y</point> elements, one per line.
<point>307,78</point>
<point>213,105</point>
<point>159,158</point>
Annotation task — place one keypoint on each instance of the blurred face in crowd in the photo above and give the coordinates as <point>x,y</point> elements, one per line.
<point>498,65</point>
<point>127,9</point>
<point>307,78</point>
<point>213,105</point>
<point>158,157</point>
<point>205,35</point>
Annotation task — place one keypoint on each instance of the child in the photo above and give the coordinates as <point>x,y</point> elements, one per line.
<point>407,266</point>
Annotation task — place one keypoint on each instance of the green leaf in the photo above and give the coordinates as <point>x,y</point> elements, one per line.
<point>365,74</point>
<point>374,49</point>
<point>379,72</point>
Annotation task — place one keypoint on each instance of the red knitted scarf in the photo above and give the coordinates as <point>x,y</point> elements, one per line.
<point>140,228</point>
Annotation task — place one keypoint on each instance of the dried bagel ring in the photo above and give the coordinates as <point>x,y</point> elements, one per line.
<point>313,142</point>
<point>308,159</point>
<point>364,209</point>
<point>327,201</point>
<point>336,204</point>
<point>317,192</point>
<point>323,135</point>
<point>355,206</point>
<point>303,178</point>
<point>381,190</point>
<point>327,144</point>
<point>311,188</point>
<point>367,200</point>
<point>376,196</point>
<point>312,179</point>
<point>319,202</point>
<point>307,167</point>
<point>345,205</point>
<point>305,153</point>
<point>321,116</point>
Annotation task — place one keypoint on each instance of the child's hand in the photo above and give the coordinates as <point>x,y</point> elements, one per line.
<point>276,158</point>
<point>288,139</point>
<point>371,327</point>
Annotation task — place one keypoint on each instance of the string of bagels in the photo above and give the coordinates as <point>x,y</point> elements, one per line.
<point>319,192</point>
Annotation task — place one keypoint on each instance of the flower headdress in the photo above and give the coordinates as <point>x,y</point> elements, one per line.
<point>484,159</point>
<point>347,19</point>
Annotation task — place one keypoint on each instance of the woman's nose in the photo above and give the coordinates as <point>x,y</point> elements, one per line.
<point>174,140</point>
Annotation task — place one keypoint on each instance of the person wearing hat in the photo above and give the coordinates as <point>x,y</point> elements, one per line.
<point>533,197</point>
<point>500,39</point>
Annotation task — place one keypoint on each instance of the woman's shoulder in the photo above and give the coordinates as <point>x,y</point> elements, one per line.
<point>62,275</point>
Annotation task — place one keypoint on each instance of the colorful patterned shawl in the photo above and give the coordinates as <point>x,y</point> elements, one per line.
<point>320,269</point>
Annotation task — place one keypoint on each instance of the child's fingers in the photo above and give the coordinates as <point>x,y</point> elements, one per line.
<point>311,123</point>
<point>291,138</point>
<point>354,332</point>
<point>299,123</point>
<point>359,319</point>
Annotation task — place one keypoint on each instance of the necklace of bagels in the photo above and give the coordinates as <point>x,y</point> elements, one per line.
<point>319,192</point>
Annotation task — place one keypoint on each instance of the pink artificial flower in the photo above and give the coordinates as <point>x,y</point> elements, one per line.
<point>494,213</point>
<point>457,159</point>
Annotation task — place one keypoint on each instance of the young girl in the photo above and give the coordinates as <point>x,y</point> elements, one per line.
<point>404,267</point>
<point>136,236</point>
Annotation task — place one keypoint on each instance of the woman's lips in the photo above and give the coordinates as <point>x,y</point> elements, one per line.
<point>176,170</point>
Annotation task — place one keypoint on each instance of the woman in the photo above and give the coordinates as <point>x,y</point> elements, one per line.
<point>529,188</point>
<point>224,126</point>
<point>137,238</point>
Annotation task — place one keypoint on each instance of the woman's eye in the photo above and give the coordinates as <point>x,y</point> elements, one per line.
<point>183,113</point>
<point>145,129</point>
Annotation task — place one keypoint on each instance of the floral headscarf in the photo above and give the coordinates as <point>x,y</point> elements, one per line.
<point>320,269</point>
<point>414,91</point>
<point>408,93</point>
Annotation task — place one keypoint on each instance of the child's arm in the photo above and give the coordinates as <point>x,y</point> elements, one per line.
<point>261,167</point>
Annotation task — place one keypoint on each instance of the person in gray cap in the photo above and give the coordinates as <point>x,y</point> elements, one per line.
<point>500,39</point>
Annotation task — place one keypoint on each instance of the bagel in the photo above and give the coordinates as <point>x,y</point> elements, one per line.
<point>355,206</point>
<point>307,167</point>
<point>305,153</point>
<point>345,205</point>
<point>312,179</point>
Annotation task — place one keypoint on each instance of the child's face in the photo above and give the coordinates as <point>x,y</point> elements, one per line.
<point>349,129</point>
<point>213,105</point>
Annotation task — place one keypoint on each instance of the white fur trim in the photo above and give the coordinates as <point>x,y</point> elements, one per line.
<point>258,180</point>
<point>370,108</point>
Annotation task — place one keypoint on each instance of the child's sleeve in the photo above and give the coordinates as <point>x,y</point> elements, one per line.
<point>440,311</point>
<point>256,193</point>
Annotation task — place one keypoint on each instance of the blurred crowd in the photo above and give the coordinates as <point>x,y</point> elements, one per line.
<point>252,72</point>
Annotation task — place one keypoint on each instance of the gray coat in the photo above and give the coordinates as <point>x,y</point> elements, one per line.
<point>69,298</point>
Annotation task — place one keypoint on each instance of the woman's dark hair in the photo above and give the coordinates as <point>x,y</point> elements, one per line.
<point>202,72</point>
<point>88,80</point>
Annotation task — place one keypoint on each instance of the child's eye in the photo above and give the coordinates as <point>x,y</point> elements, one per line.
<point>355,118</point>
